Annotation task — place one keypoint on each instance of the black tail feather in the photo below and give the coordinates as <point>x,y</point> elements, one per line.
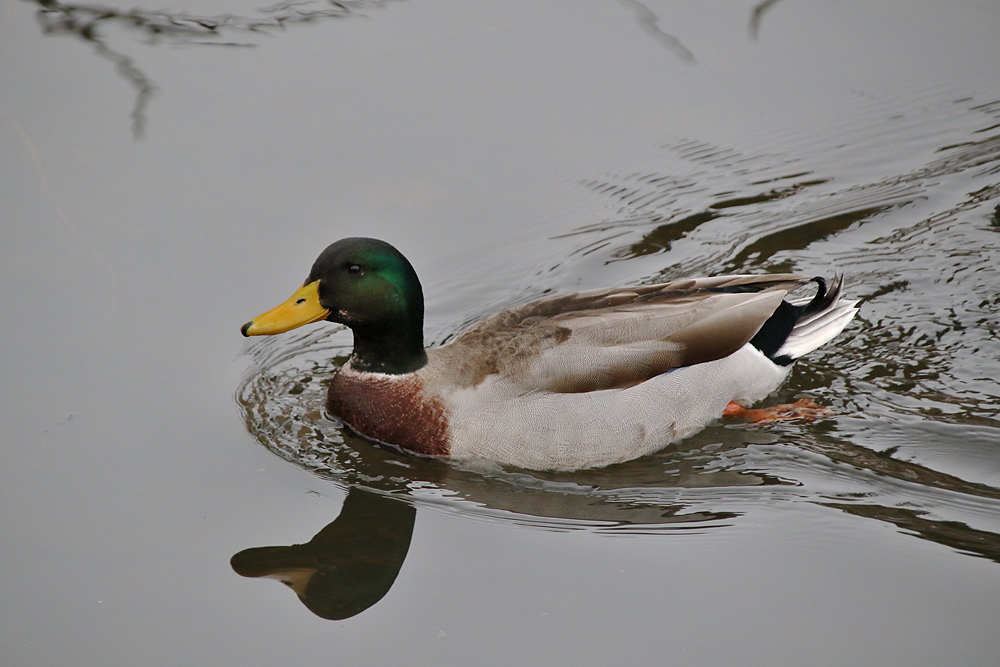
<point>776,329</point>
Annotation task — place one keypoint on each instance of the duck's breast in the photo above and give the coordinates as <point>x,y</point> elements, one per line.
<point>394,409</point>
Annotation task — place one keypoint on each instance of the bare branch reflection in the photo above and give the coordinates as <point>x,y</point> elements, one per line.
<point>86,21</point>
<point>649,22</point>
<point>757,15</point>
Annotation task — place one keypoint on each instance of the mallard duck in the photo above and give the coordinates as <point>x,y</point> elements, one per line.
<point>577,380</point>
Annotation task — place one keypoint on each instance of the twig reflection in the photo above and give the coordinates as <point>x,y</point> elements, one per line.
<point>757,15</point>
<point>649,22</point>
<point>86,20</point>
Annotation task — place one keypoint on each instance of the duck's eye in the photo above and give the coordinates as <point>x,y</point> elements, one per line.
<point>354,270</point>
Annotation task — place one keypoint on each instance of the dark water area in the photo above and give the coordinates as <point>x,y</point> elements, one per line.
<point>165,176</point>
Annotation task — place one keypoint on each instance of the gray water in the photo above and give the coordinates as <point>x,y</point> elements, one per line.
<point>164,179</point>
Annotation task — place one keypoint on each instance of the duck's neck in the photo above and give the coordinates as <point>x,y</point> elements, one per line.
<point>392,350</point>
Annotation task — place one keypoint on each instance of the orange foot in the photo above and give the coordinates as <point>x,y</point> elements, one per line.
<point>804,408</point>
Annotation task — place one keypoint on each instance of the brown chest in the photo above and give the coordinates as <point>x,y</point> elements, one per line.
<point>391,409</point>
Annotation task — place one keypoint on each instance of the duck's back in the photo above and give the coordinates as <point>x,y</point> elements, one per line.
<point>615,338</point>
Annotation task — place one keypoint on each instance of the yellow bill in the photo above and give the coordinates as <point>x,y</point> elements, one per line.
<point>303,307</point>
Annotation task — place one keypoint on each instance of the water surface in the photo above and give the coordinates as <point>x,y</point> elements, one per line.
<point>166,178</point>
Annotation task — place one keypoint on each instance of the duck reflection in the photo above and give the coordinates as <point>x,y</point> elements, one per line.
<point>954,534</point>
<point>349,565</point>
<point>704,483</point>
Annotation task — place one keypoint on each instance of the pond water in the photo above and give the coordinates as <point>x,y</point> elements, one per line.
<point>165,177</point>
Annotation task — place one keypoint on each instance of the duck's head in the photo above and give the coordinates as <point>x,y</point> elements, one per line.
<point>369,286</point>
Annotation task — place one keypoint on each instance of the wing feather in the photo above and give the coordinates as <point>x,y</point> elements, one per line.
<point>603,339</point>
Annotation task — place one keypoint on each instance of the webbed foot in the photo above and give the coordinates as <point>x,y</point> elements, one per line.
<point>804,408</point>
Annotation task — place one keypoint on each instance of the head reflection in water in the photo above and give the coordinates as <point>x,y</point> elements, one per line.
<point>349,565</point>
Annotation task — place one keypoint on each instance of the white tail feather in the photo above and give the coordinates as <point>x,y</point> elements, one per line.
<point>817,329</point>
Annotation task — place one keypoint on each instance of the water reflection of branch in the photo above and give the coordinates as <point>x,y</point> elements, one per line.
<point>758,14</point>
<point>78,17</point>
<point>84,21</point>
<point>144,87</point>
<point>648,22</point>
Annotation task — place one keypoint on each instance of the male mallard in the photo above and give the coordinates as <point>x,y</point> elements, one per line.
<point>568,381</point>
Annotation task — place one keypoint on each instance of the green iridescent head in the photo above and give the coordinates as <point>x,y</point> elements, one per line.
<point>369,286</point>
